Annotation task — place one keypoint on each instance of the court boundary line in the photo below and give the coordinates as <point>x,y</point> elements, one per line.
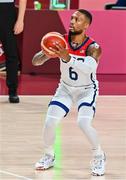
<point>53,95</point>
<point>15,175</point>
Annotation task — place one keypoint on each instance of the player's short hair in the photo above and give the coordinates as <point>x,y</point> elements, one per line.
<point>86,13</point>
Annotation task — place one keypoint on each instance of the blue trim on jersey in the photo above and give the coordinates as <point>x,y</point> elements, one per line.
<point>88,47</point>
<point>74,49</point>
<point>94,109</point>
<point>60,105</point>
<point>93,80</point>
<point>88,104</point>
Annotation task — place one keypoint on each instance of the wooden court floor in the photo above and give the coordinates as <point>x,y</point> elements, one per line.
<point>21,140</point>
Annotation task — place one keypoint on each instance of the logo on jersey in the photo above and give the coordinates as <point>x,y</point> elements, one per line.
<point>82,51</point>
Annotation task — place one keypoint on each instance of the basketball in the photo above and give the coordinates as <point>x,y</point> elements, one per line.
<point>50,40</point>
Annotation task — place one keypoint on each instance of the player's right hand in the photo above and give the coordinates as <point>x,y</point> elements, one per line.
<point>50,55</point>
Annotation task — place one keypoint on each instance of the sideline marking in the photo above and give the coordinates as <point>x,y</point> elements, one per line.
<point>16,175</point>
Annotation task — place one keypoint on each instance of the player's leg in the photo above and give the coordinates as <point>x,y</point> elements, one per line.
<point>54,116</point>
<point>85,117</point>
<point>58,108</point>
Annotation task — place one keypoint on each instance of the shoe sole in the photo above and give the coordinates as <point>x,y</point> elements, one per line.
<point>95,174</point>
<point>14,102</point>
<point>42,168</point>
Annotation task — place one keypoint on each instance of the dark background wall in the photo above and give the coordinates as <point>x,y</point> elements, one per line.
<point>104,30</point>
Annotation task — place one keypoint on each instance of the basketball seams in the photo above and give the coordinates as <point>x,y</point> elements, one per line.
<point>55,34</point>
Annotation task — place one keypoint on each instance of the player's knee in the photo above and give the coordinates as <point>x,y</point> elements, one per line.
<point>54,116</point>
<point>84,122</point>
<point>86,111</point>
<point>51,121</point>
<point>85,117</point>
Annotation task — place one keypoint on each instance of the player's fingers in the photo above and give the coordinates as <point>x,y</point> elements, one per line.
<point>55,52</point>
<point>59,47</point>
<point>52,49</point>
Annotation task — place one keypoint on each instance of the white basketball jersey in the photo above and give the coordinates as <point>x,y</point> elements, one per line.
<point>72,76</point>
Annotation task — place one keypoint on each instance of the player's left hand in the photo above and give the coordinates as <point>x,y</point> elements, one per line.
<point>18,27</point>
<point>61,52</point>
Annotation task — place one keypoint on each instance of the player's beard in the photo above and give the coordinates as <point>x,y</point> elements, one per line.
<point>75,32</point>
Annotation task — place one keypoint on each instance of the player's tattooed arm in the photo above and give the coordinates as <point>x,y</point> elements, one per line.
<point>94,50</point>
<point>39,58</point>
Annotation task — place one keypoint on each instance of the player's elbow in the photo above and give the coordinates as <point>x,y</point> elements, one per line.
<point>34,60</point>
<point>37,59</point>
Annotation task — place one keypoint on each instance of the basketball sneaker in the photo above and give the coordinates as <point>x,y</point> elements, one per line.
<point>45,162</point>
<point>98,164</point>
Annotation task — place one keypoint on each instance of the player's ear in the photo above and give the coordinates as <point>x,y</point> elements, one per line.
<point>87,25</point>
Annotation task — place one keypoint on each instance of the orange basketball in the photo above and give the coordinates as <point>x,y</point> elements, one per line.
<point>50,40</point>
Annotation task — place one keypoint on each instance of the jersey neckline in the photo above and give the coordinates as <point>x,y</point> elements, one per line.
<point>74,49</point>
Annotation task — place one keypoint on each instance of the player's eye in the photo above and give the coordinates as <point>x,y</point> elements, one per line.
<point>76,19</point>
<point>71,17</point>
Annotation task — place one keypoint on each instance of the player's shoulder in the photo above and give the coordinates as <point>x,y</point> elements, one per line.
<point>94,50</point>
<point>93,42</point>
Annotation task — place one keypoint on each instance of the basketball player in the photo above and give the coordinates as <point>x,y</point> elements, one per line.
<point>78,84</point>
<point>11,24</point>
